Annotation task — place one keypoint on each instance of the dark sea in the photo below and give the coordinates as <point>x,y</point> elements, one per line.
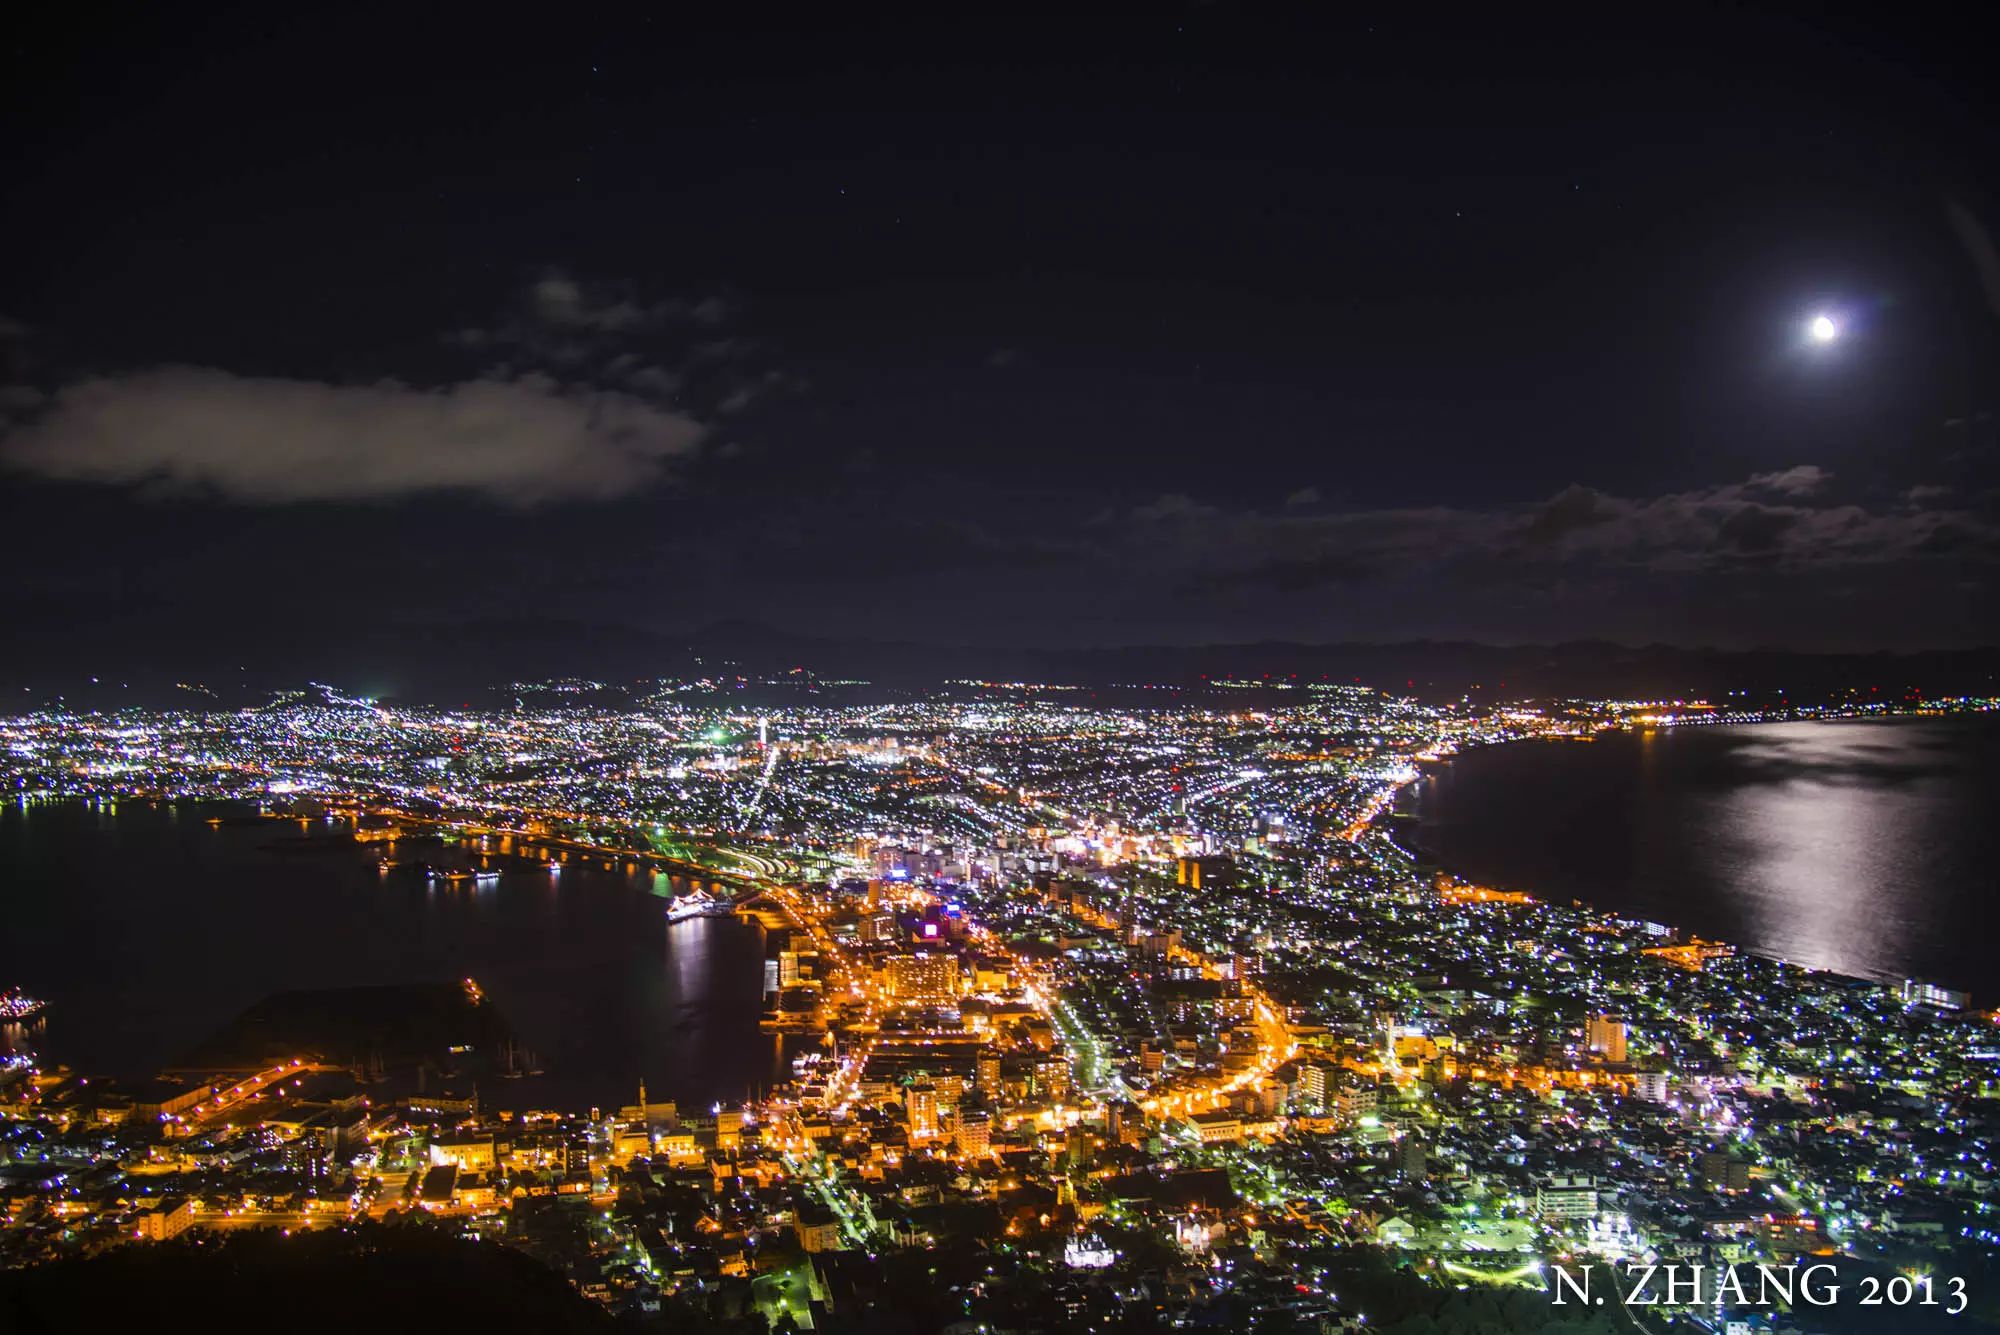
<point>148,929</point>
<point>1866,847</point>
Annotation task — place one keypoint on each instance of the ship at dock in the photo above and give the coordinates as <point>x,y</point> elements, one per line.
<point>17,1007</point>
<point>699,904</point>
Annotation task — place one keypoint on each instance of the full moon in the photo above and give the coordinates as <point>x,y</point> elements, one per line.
<point>1822,329</point>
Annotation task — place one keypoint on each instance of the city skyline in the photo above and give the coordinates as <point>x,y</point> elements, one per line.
<point>1154,1016</point>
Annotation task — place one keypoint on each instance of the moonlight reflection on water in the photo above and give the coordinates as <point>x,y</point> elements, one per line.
<point>1865,847</point>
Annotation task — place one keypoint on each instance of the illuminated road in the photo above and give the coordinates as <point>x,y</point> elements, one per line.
<point>1275,1044</point>
<point>206,1115</point>
<point>694,871</point>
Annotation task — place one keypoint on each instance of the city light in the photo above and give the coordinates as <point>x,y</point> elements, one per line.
<point>1172,975</point>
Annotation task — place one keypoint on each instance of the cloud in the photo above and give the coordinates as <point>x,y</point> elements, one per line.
<point>1304,496</point>
<point>677,349</point>
<point>1770,521</point>
<point>1802,480</point>
<point>558,299</point>
<point>519,441</point>
<point>579,390</point>
<point>1175,507</point>
<point>1570,510</point>
<point>1756,528</point>
<point>18,399</point>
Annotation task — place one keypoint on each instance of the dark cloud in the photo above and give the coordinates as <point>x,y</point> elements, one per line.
<point>1173,507</point>
<point>1756,528</point>
<point>672,350</point>
<point>1954,536</point>
<point>1570,510</point>
<point>1769,520</point>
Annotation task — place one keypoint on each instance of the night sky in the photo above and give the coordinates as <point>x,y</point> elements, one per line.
<point>997,327</point>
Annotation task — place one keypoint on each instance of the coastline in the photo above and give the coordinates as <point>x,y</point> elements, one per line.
<point>538,946</point>
<point>1427,853</point>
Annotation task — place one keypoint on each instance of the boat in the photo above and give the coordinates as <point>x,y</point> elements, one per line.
<point>17,1007</point>
<point>698,904</point>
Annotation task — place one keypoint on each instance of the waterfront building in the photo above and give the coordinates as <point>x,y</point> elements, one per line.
<point>1917,993</point>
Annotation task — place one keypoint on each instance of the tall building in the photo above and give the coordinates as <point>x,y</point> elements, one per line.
<point>974,1134</point>
<point>1916,993</point>
<point>1317,1081</point>
<point>1720,1168</point>
<point>1352,1098</point>
<point>1566,1197</point>
<point>922,1103</point>
<point>923,978</point>
<point>795,966</point>
<point>1126,1122</point>
<point>818,1230</point>
<point>1606,1037</point>
<point>1052,1075</point>
<point>169,1219</point>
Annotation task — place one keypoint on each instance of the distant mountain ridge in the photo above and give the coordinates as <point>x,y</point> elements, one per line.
<point>1578,667</point>
<point>461,661</point>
